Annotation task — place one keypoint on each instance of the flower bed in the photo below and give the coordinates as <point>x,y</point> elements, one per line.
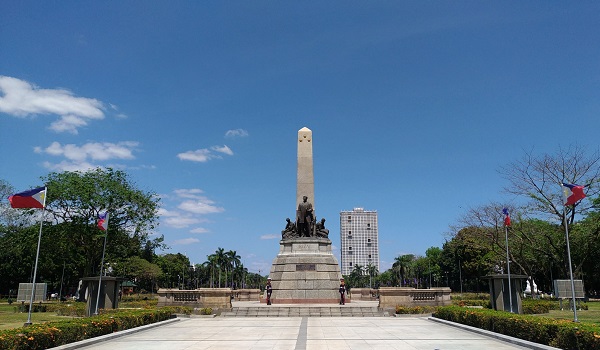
<point>51,334</point>
<point>558,333</point>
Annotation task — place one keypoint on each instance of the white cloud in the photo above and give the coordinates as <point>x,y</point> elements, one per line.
<point>69,166</point>
<point>200,206</point>
<point>189,193</point>
<point>186,208</point>
<point>270,236</point>
<point>93,150</point>
<point>200,155</point>
<point>21,99</point>
<point>186,241</point>
<point>236,133</point>
<point>180,221</point>
<point>224,149</point>
<point>199,230</point>
<point>204,154</point>
<point>79,157</point>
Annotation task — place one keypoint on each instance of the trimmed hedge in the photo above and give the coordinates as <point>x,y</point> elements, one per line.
<point>414,310</point>
<point>470,296</point>
<point>51,334</point>
<point>558,333</point>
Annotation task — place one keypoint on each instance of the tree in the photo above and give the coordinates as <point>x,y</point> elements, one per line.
<point>539,179</point>
<point>466,258</point>
<point>372,271</point>
<point>175,268</point>
<point>220,259</point>
<point>140,270</point>
<point>74,200</point>
<point>433,255</point>
<point>233,261</point>
<point>401,266</point>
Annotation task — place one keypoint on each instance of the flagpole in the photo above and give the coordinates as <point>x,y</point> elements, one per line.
<point>37,255</point>
<point>508,265</point>
<point>570,265</point>
<point>101,267</point>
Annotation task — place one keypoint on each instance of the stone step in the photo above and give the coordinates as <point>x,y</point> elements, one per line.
<point>312,311</point>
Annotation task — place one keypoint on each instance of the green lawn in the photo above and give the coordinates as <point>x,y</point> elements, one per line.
<point>10,317</point>
<point>592,315</point>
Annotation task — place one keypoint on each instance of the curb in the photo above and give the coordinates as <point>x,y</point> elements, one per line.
<point>505,338</point>
<point>95,340</point>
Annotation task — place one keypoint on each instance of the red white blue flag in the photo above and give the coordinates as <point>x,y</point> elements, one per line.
<point>34,198</point>
<point>573,193</point>
<point>506,217</point>
<point>103,221</point>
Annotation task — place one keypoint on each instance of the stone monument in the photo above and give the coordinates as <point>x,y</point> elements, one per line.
<point>305,270</point>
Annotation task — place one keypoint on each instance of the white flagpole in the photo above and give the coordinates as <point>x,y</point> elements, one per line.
<point>101,266</point>
<point>37,255</point>
<point>570,265</point>
<point>508,265</point>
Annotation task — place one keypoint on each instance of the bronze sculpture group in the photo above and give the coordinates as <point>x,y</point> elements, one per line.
<point>305,224</point>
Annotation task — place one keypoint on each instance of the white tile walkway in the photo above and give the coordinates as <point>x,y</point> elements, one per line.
<point>357,333</point>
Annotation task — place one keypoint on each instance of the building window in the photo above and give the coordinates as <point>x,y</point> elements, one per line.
<point>349,248</point>
<point>369,240</point>
<point>349,232</point>
<point>350,263</point>
<point>369,256</point>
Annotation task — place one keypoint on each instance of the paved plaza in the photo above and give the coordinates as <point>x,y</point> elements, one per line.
<point>406,333</point>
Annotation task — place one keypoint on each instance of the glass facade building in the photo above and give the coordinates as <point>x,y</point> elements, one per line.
<point>359,239</point>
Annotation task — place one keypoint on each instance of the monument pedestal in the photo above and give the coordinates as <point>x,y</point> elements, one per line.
<point>305,272</point>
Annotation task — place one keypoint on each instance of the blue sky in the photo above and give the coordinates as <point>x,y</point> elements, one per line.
<point>414,106</point>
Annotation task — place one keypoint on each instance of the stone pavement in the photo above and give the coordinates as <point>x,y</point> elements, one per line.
<point>304,332</point>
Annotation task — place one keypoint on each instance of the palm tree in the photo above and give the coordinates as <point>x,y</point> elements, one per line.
<point>221,261</point>
<point>233,261</point>
<point>356,276</point>
<point>372,270</point>
<point>402,266</point>
<point>212,263</point>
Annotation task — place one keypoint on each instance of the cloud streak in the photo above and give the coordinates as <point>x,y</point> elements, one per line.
<point>203,155</point>
<point>81,157</point>
<point>20,98</point>
<point>236,133</point>
<point>191,206</point>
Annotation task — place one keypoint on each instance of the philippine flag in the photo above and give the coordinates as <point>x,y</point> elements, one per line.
<point>506,217</point>
<point>574,193</point>
<point>34,198</point>
<point>103,221</point>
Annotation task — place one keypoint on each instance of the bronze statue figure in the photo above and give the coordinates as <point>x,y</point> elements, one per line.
<point>289,231</point>
<point>304,217</point>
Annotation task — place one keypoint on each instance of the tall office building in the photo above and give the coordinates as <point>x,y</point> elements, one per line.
<point>359,239</point>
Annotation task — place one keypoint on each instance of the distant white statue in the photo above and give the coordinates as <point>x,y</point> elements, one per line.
<point>535,288</point>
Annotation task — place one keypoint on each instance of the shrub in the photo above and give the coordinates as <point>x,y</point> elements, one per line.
<point>205,311</point>
<point>559,333</point>
<point>470,296</point>
<point>414,310</point>
<point>486,304</point>
<point>51,334</point>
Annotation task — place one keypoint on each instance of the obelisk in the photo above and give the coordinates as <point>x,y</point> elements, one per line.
<point>305,185</point>
<point>305,270</point>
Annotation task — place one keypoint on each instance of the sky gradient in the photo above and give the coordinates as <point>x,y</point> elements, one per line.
<point>414,107</point>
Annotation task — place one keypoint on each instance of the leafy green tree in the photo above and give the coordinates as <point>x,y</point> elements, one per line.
<point>466,258</point>
<point>175,268</point>
<point>232,262</point>
<point>402,267</point>
<point>144,273</point>
<point>434,271</point>
<point>74,201</point>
